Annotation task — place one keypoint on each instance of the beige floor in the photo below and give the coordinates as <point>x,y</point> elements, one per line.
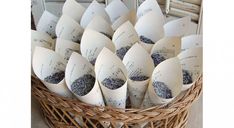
<point>194,121</point>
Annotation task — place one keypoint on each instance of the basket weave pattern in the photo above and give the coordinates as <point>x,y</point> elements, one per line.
<point>60,112</point>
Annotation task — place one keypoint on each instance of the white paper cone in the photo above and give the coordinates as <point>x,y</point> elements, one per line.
<point>47,23</point>
<point>138,63</point>
<point>116,9</point>
<point>66,47</point>
<point>130,16</point>
<point>92,43</point>
<point>191,60</point>
<point>101,25</point>
<point>69,29</point>
<point>191,41</point>
<point>108,65</point>
<point>40,39</point>
<point>150,5</point>
<point>167,47</point>
<point>178,27</point>
<point>151,27</point>
<point>168,72</point>
<point>73,9</point>
<point>47,62</point>
<point>94,9</point>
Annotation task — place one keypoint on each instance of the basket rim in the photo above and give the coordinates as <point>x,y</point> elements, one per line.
<point>107,113</point>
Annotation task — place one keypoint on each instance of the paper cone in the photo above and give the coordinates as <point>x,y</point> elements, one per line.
<point>151,5</point>
<point>66,47</point>
<point>138,63</point>
<point>73,9</point>
<point>47,62</point>
<point>168,72</point>
<point>191,61</point>
<point>191,41</point>
<point>108,65</point>
<point>92,43</point>
<point>69,29</point>
<point>167,47</point>
<point>116,9</point>
<point>101,25</point>
<point>151,27</point>
<point>178,27</point>
<point>47,23</point>
<point>40,39</point>
<point>125,36</point>
<point>130,16</point>
<point>94,9</point>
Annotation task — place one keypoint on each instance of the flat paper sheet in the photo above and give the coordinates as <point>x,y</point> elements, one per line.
<point>191,60</point>
<point>178,27</point>
<point>66,47</point>
<point>108,65</point>
<point>101,25</point>
<point>116,9</point>
<point>94,9</point>
<point>125,35</point>
<point>73,9</point>
<point>93,42</point>
<point>47,23</point>
<point>130,16</point>
<point>138,63</point>
<point>151,5</point>
<point>169,72</point>
<point>69,29</point>
<point>167,47</point>
<point>147,25</point>
<point>191,41</point>
<point>47,62</point>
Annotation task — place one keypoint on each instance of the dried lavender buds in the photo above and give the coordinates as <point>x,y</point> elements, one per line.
<point>157,58</point>
<point>146,40</point>
<point>113,83</point>
<point>162,90</point>
<point>122,51</point>
<point>55,78</point>
<point>110,37</point>
<point>187,78</point>
<point>83,85</point>
<point>139,78</point>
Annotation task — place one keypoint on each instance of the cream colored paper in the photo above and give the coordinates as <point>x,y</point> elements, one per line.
<point>47,23</point>
<point>151,27</point>
<point>169,72</point>
<point>130,16</point>
<point>168,47</point>
<point>116,9</point>
<point>93,42</point>
<point>40,39</point>
<point>150,5</point>
<point>94,9</point>
<point>66,47</point>
<point>73,9</point>
<point>99,24</point>
<point>138,63</point>
<point>178,27</point>
<point>191,41</point>
<point>47,62</point>
<point>69,29</point>
<point>125,35</point>
<point>108,65</point>
<point>191,60</point>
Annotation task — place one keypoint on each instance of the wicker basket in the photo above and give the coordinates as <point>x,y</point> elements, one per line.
<point>60,112</point>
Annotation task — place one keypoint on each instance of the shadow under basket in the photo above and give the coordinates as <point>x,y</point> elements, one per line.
<point>60,112</point>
